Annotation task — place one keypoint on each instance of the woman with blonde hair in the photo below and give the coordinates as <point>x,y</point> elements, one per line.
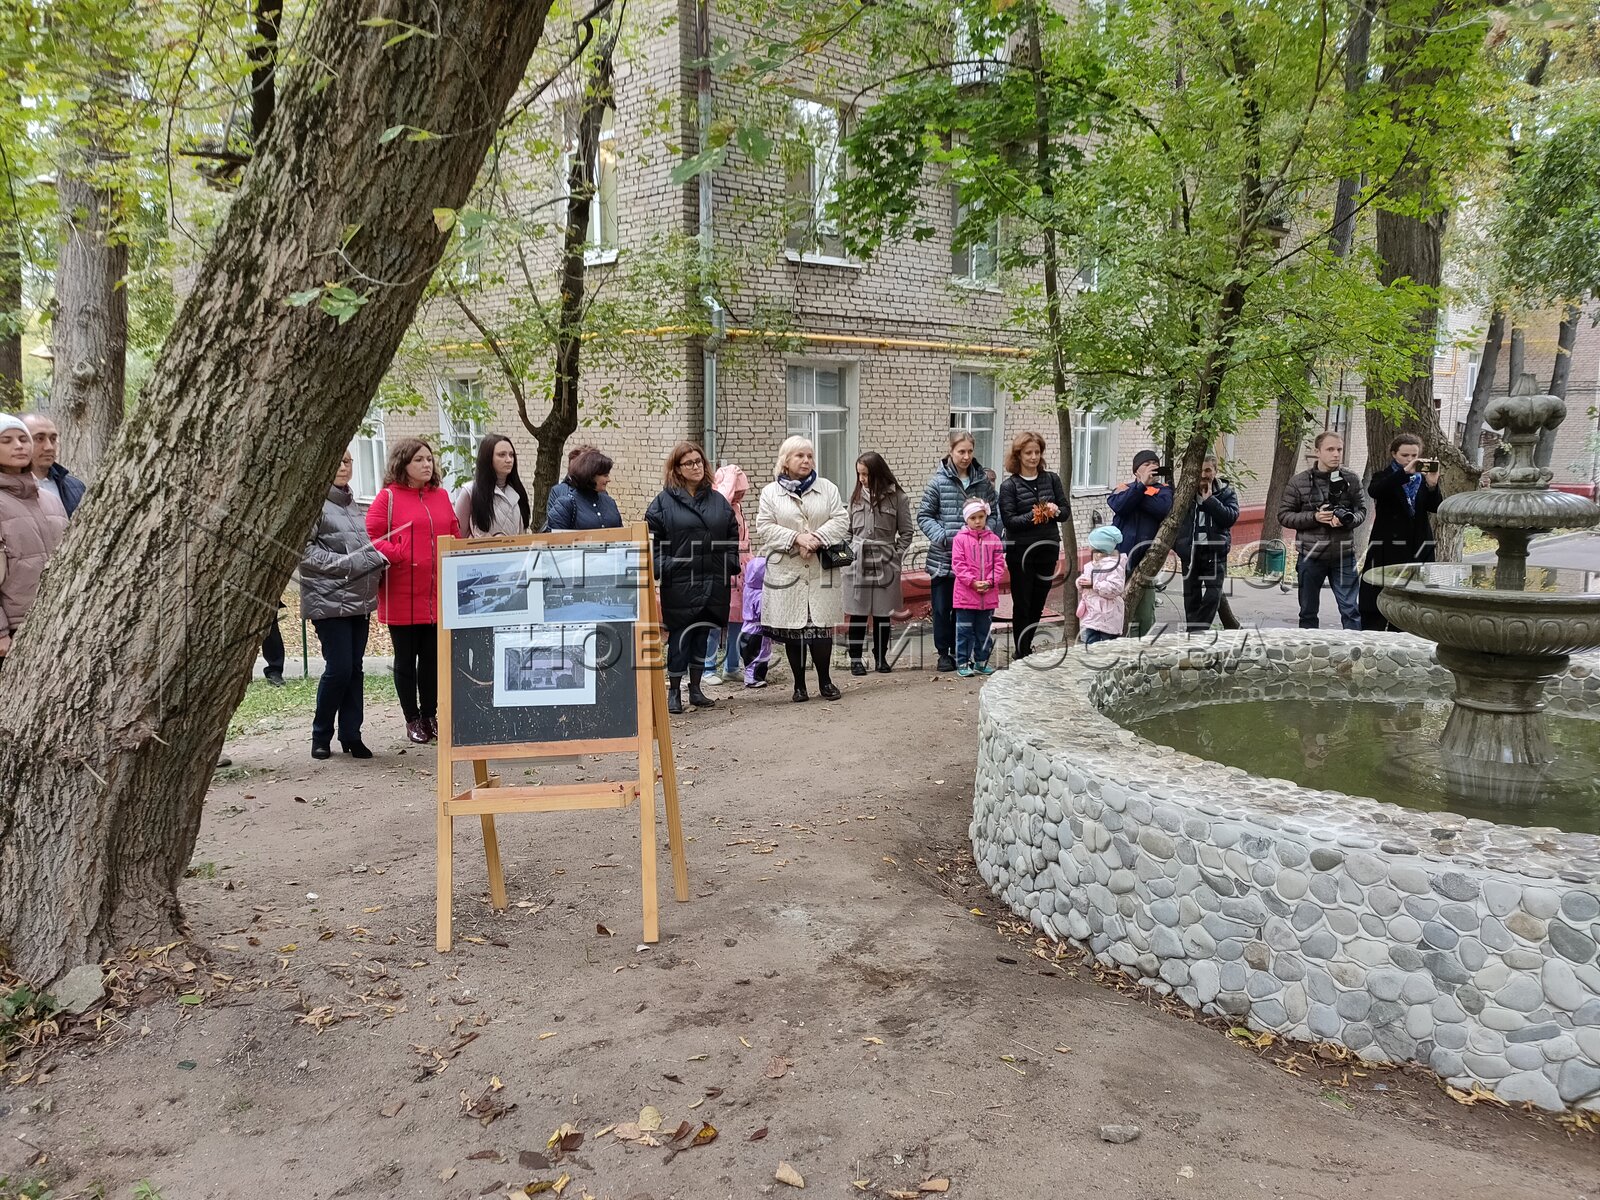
<point>801,519</point>
<point>696,549</point>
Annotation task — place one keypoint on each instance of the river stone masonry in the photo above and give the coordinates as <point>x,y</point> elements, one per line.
<point>1461,944</point>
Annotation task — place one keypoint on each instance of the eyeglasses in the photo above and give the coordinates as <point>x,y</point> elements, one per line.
<point>692,462</point>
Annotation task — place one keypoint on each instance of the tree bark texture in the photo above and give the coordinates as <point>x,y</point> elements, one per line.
<point>10,319</point>
<point>1560,376</point>
<point>551,434</point>
<point>1483,386</point>
<point>89,331</point>
<point>140,645</point>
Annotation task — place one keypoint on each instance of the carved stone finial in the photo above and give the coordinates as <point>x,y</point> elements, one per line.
<point>1520,417</point>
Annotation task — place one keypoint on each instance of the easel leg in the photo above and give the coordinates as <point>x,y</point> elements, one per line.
<point>444,851</point>
<point>669,795</point>
<point>491,843</point>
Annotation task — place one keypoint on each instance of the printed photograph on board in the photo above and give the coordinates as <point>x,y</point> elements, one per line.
<point>542,665</point>
<point>490,589</point>
<point>588,584</point>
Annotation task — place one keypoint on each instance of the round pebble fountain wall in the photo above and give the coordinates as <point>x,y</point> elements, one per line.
<point>1465,945</point>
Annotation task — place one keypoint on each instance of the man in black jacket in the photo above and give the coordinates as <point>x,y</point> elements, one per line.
<point>1324,506</point>
<point>1405,492</point>
<point>1204,538</point>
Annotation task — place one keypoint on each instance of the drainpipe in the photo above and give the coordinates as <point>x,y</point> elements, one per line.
<point>719,317</point>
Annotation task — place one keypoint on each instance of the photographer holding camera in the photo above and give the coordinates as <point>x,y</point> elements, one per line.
<point>1405,492</point>
<point>1324,506</point>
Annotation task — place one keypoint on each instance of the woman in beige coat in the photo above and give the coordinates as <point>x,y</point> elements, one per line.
<point>801,601</point>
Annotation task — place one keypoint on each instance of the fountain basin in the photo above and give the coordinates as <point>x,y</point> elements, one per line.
<point>1458,605</point>
<point>1465,945</point>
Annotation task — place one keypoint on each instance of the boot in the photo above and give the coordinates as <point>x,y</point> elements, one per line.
<point>321,750</point>
<point>880,647</point>
<point>696,697</point>
<point>356,749</point>
<point>417,732</point>
<point>675,695</point>
<point>857,667</point>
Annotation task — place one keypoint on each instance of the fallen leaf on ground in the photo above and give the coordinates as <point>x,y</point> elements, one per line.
<point>698,1057</point>
<point>649,1118</point>
<point>778,1067</point>
<point>861,1185</point>
<point>901,1194</point>
<point>551,1034</point>
<point>681,1132</point>
<point>446,1175</point>
<point>603,931</point>
<point>787,1174</point>
<point>745,1042</point>
<point>392,1108</point>
<point>483,1155</point>
<point>706,1134</point>
<point>757,1135</point>
<point>1186,1172</point>
<point>532,1160</point>
<point>934,1185</point>
<point>485,1109</point>
<point>1063,1049</point>
<point>873,1041</point>
<point>628,1131</point>
<point>565,1139</point>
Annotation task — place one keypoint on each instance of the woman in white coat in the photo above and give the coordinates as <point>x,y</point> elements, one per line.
<point>802,602</point>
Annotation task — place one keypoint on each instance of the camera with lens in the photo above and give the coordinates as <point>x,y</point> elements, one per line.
<point>1339,500</point>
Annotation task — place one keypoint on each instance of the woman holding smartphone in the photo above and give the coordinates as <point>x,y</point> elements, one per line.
<point>1405,493</point>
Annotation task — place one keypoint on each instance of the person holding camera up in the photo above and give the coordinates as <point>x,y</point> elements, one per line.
<point>1405,492</point>
<point>1324,506</point>
<point>1137,509</point>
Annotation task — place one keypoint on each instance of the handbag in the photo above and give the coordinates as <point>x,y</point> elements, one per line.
<point>840,554</point>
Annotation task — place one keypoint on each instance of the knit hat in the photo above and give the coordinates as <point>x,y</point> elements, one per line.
<point>7,421</point>
<point>1145,456</point>
<point>974,506</point>
<point>1105,538</point>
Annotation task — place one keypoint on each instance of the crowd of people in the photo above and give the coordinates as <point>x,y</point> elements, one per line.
<point>814,561</point>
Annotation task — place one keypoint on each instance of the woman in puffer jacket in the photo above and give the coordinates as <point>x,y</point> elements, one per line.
<point>339,576</point>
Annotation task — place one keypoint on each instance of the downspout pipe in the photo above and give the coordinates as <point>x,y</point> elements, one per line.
<point>719,317</point>
<point>713,343</point>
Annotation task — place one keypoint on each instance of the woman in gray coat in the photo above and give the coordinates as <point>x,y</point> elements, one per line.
<point>880,533</point>
<point>339,575</point>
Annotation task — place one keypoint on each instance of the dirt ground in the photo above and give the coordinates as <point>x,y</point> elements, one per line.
<point>827,999</point>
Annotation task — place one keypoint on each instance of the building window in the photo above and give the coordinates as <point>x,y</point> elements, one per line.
<point>602,233</point>
<point>977,262</point>
<point>974,58</point>
<point>819,409</point>
<point>370,450</point>
<point>972,409</point>
<point>1474,361</point>
<point>1094,447</point>
<point>1336,415</point>
<point>816,160</point>
<point>462,410</point>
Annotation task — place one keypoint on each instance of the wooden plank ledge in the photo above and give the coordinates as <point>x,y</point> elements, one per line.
<point>477,801</point>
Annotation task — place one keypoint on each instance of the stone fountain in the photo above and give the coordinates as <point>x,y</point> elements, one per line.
<point>1504,631</point>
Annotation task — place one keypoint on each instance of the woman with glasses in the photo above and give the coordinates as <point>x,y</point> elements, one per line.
<point>696,549</point>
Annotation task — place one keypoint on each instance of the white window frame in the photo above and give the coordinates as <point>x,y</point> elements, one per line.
<point>451,433</point>
<point>849,397</point>
<point>1474,365</point>
<point>964,259</point>
<point>965,67</point>
<point>597,250</point>
<point>962,413</point>
<point>377,443</point>
<point>1084,425</point>
<point>809,241</point>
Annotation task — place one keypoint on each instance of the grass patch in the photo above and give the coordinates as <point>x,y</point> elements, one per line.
<point>266,708</point>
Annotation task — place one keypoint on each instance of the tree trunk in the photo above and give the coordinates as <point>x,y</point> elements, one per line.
<point>562,419</point>
<point>263,70</point>
<point>1044,173</point>
<point>1516,357</point>
<point>1483,387</point>
<point>1293,422</point>
<point>10,319</point>
<point>89,332</point>
<point>149,617</point>
<point>1560,375</point>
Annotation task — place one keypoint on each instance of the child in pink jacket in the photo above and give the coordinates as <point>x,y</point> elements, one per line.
<point>978,560</point>
<point>1100,587</point>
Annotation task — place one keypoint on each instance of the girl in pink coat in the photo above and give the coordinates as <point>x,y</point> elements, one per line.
<point>978,561</point>
<point>1100,587</point>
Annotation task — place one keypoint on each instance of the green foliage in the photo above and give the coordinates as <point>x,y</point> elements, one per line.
<point>1549,227</point>
<point>24,1189</point>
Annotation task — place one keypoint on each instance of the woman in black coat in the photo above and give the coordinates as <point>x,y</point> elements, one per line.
<point>1403,498</point>
<point>1032,506</point>
<point>696,542</point>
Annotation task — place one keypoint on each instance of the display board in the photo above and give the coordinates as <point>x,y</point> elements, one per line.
<point>550,647</point>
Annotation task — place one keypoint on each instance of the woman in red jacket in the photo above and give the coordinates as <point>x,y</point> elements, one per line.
<point>406,520</point>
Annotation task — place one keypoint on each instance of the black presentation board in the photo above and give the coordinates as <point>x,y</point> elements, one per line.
<point>475,721</point>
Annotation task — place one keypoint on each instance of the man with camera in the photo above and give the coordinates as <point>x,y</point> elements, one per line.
<point>1204,537</point>
<point>1405,493</point>
<point>1324,506</point>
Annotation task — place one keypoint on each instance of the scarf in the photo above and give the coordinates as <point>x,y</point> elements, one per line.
<point>1413,486</point>
<point>797,487</point>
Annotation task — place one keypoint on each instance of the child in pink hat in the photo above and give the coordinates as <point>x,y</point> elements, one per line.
<point>978,560</point>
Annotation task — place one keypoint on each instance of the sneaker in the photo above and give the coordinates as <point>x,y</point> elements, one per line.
<point>965,671</point>
<point>946,664</point>
<point>711,679</point>
<point>755,683</point>
<point>985,669</point>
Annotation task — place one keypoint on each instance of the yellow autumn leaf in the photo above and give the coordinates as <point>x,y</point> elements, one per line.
<point>649,1119</point>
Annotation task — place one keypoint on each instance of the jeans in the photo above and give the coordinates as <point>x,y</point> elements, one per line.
<point>416,669</point>
<point>1033,571</point>
<point>1091,636</point>
<point>723,638</point>
<point>341,689</point>
<point>1203,576</point>
<point>942,593</point>
<point>1339,569</point>
<point>685,645</point>
<point>973,643</point>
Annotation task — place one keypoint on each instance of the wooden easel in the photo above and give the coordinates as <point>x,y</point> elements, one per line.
<point>488,797</point>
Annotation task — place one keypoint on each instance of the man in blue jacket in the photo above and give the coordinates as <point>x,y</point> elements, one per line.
<point>958,478</point>
<point>1138,507</point>
<point>50,475</point>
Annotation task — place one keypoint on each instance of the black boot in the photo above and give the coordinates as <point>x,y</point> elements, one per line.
<point>696,697</point>
<point>880,645</point>
<point>320,750</point>
<point>857,667</point>
<point>675,695</point>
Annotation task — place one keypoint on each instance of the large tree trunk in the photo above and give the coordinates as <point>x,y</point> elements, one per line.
<point>1483,387</point>
<point>89,333</point>
<point>1516,357</point>
<point>147,621</point>
<point>1044,170</point>
<point>10,319</point>
<point>559,423</point>
<point>1560,375</point>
